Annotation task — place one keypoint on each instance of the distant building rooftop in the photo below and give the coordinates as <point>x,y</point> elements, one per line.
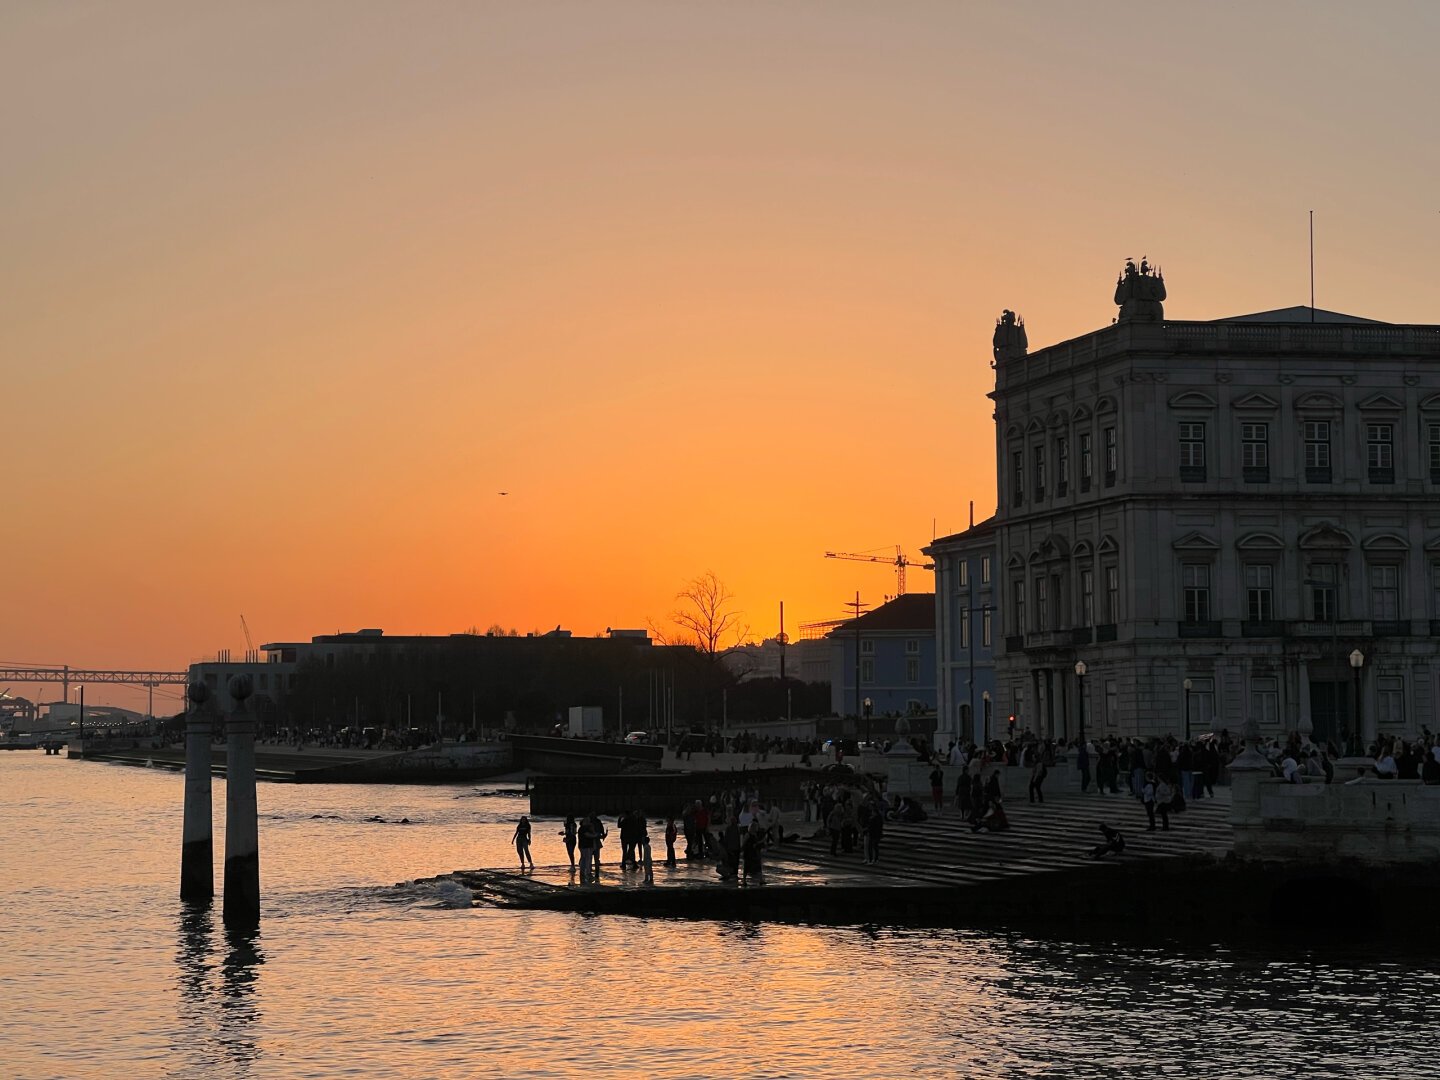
<point>911,612</point>
<point>1300,314</point>
<point>981,530</point>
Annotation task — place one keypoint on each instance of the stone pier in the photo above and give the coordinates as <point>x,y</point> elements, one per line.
<point>197,849</point>
<point>242,840</point>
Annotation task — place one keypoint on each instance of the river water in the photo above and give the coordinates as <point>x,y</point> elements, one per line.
<point>104,973</point>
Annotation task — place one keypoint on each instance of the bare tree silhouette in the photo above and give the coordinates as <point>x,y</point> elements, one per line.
<point>706,618</point>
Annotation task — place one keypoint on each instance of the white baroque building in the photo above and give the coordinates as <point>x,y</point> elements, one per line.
<point>1221,520</point>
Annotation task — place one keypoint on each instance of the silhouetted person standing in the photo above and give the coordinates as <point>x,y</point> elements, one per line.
<point>571,835</point>
<point>521,839</point>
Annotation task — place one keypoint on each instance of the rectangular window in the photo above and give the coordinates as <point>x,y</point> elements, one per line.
<point>1259,592</point>
<point>1192,451</point>
<point>1265,701</point>
<point>1317,451</point>
<point>1112,703</point>
<point>1112,456</point>
<point>1380,452</point>
<point>1087,597</point>
<point>867,671</point>
<point>985,628</point>
<point>1018,591</point>
<point>1433,430</point>
<point>1087,462</point>
<point>867,647</point>
<point>1202,704</point>
<point>985,570</point>
<point>1042,604</point>
<point>963,568</point>
<point>912,647</point>
<point>1324,597</point>
<point>1062,466</point>
<point>1039,453</point>
<point>912,670</point>
<point>1019,457</point>
<point>1196,581</point>
<point>965,616</point>
<point>1255,452</point>
<point>1385,593</point>
<point>1435,590</point>
<point>1391,694</point>
<point>1112,594</point>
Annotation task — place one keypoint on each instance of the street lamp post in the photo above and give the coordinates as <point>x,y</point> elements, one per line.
<point>1333,605</point>
<point>1357,743</point>
<point>867,708</point>
<point>82,713</point>
<point>985,719</point>
<point>1189,685</point>
<point>1080,694</point>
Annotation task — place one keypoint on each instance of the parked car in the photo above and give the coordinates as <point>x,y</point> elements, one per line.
<point>637,738</point>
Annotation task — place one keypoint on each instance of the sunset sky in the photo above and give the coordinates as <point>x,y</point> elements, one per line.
<point>291,292</point>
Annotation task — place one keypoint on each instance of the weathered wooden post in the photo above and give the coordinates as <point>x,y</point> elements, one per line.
<point>242,839</point>
<point>197,847</point>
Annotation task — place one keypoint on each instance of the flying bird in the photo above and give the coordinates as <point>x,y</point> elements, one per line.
<point>504,493</point>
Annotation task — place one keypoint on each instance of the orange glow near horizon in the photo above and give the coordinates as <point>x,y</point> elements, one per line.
<point>292,294</point>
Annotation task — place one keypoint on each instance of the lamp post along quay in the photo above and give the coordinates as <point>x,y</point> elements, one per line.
<point>1189,685</point>
<point>1357,722</point>
<point>1356,761</point>
<point>1080,695</point>
<point>197,850</point>
<point>242,840</point>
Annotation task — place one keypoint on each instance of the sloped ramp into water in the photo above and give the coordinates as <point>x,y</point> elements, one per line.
<point>937,871</point>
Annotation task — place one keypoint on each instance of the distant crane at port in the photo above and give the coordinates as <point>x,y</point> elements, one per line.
<point>250,654</point>
<point>900,561</point>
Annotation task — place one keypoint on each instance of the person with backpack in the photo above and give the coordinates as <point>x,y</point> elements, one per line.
<point>1164,794</point>
<point>1037,778</point>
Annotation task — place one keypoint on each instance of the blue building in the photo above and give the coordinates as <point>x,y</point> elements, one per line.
<point>894,646</point>
<point>966,623</point>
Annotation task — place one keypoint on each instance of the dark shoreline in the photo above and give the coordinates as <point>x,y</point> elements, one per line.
<point>1193,900</point>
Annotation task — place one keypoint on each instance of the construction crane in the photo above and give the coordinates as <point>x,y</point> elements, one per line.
<point>900,561</point>
<point>249,645</point>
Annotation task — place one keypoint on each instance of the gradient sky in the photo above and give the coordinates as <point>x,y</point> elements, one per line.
<point>291,291</point>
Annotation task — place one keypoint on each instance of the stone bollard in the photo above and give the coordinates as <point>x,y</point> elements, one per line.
<point>1246,772</point>
<point>197,846</point>
<point>242,839</point>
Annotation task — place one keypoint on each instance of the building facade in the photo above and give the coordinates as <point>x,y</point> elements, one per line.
<point>966,624</point>
<point>1224,521</point>
<point>892,649</point>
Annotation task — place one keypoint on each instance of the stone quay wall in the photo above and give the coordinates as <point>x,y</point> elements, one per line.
<point>1369,820</point>
<point>428,765</point>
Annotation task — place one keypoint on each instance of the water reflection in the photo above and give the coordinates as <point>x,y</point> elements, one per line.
<point>219,1010</point>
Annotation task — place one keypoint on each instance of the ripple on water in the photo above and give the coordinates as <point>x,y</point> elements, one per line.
<point>352,975</point>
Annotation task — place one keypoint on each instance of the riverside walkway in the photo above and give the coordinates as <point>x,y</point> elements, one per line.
<point>936,870</point>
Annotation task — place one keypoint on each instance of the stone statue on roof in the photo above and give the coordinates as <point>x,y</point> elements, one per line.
<point>1010,342</point>
<point>1140,292</point>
